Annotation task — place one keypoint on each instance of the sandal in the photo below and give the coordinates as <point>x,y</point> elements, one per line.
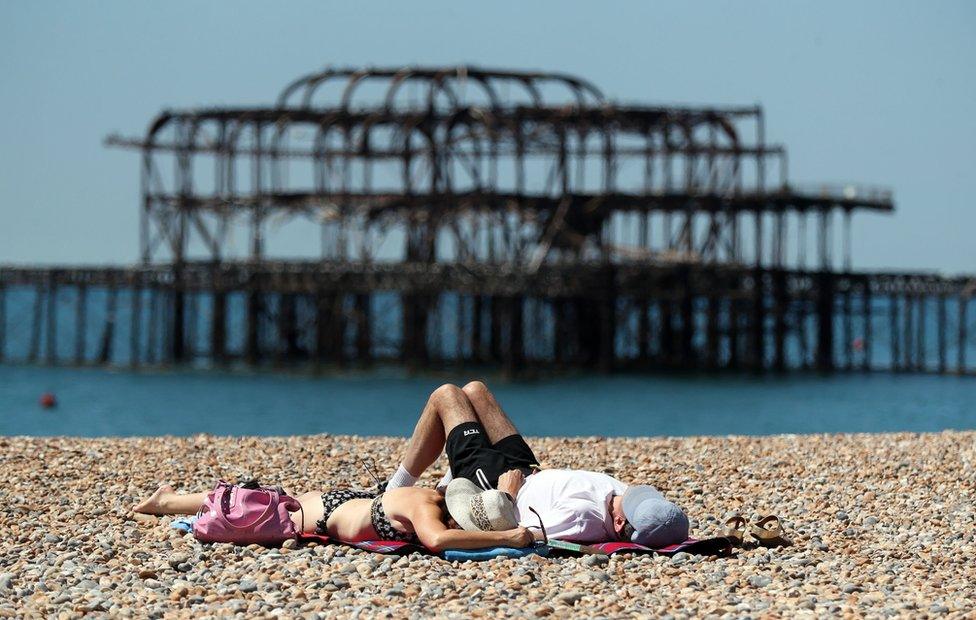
<point>769,532</point>
<point>735,530</point>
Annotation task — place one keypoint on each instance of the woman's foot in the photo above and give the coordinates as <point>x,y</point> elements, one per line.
<point>155,504</point>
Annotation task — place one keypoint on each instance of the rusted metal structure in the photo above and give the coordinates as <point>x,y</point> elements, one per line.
<point>460,216</point>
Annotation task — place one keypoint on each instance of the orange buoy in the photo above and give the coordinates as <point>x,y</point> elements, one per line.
<point>48,400</point>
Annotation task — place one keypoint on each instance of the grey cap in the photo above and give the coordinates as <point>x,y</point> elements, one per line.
<point>656,521</point>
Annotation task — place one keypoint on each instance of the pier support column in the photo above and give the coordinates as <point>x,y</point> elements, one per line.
<point>252,342</point>
<point>643,331</point>
<point>108,334</point>
<point>52,321</point>
<point>135,324</point>
<point>757,326</point>
<point>561,332</point>
<point>495,329</point>
<point>848,322</point>
<point>477,354</point>
<point>415,308</point>
<point>34,349</point>
<point>3,322</point>
<point>328,327</point>
<point>666,312</point>
<point>780,303</point>
<point>941,327</point>
<point>606,355</point>
<point>909,349</point>
<point>825,321</point>
<point>218,328</point>
<point>963,307</point>
<point>515,351</point>
<point>868,335</point>
<point>687,310</point>
<point>920,361</point>
<point>733,318</point>
<point>364,326</point>
<point>287,345</point>
<point>178,335</point>
<point>895,338</point>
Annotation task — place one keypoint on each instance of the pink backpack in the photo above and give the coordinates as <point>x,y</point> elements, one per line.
<point>246,514</point>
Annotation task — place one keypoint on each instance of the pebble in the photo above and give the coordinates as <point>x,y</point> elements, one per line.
<point>596,560</point>
<point>900,552</point>
<point>760,581</point>
<point>680,558</point>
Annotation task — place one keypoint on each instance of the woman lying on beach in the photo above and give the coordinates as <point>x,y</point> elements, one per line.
<point>411,514</point>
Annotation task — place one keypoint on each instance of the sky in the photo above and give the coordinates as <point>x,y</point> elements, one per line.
<point>880,93</point>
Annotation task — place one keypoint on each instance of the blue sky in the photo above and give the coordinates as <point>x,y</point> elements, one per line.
<point>875,92</point>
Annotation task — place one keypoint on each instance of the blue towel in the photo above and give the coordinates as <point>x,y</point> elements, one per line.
<point>184,524</point>
<point>470,555</point>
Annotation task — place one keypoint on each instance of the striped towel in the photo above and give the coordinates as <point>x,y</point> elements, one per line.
<point>709,546</point>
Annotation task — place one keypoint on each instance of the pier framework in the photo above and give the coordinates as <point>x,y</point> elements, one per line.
<point>459,216</point>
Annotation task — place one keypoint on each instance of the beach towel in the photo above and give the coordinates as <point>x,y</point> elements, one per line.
<point>709,546</point>
<point>720,546</point>
<point>488,553</point>
<point>386,547</point>
<point>396,547</point>
<point>183,524</point>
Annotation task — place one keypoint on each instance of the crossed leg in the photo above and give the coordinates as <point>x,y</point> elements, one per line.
<point>489,412</point>
<point>447,407</point>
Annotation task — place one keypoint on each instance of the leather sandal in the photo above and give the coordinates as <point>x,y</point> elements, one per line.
<point>735,530</point>
<point>769,532</point>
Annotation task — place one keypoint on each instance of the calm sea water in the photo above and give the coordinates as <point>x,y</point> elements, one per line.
<point>96,402</point>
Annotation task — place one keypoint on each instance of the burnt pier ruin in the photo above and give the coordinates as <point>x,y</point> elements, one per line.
<point>461,217</point>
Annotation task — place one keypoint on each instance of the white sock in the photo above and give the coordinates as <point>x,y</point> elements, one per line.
<point>402,478</point>
<point>446,480</point>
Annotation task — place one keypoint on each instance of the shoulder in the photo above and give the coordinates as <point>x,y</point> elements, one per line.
<point>414,494</point>
<point>411,502</point>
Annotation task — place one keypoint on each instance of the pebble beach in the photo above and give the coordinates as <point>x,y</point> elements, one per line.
<point>883,525</point>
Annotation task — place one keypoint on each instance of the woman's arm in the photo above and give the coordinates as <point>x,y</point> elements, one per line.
<point>436,536</point>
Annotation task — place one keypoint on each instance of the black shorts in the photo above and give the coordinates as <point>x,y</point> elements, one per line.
<point>468,451</point>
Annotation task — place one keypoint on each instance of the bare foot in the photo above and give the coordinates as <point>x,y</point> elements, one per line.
<point>153,505</point>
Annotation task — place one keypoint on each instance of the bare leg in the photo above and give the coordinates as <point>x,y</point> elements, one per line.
<point>489,412</point>
<point>166,501</point>
<point>447,407</point>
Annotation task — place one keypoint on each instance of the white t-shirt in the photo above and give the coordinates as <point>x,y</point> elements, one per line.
<point>573,503</point>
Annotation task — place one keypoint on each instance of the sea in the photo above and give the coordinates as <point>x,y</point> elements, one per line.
<point>105,402</point>
<point>120,401</point>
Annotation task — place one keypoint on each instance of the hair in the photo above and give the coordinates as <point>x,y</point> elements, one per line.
<point>627,533</point>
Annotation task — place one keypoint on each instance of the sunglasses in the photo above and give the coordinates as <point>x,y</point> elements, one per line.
<point>545,536</point>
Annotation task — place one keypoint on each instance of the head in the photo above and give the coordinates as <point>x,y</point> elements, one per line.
<point>475,509</point>
<point>623,529</point>
<point>643,516</point>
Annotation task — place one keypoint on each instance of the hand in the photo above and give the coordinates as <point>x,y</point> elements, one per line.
<point>522,537</point>
<point>511,481</point>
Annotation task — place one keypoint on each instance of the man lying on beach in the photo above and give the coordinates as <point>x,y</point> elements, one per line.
<point>484,446</point>
<point>407,514</point>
